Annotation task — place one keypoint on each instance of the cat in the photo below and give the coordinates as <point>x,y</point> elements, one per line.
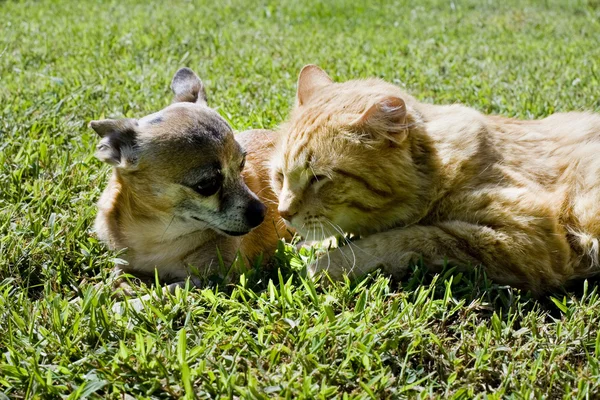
<point>445,183</point>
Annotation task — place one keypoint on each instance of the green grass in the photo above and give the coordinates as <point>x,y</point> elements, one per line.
<point>63,63</point>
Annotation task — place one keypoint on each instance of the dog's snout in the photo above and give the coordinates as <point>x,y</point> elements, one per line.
<point>255,213</point>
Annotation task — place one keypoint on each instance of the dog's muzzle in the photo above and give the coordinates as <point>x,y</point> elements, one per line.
<point>255,213</point>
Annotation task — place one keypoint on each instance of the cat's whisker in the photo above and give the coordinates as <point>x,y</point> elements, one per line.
<point>341,232</point>
<point>302,227</point>
<point>299,236</point>
<point>327,251</point>
<point>314,237</point>
<point>347,260</point>
<point>262,190</point>
<point>167,228</point>
<point>268,139</point>
<point>350,244</point>
<point>312,170</point>
<point>269,201</point>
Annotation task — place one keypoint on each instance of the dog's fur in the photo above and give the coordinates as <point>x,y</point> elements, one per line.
<point>180,196</point>
<point>521,198</point>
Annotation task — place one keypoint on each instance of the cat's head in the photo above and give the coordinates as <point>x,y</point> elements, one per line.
<point>344,162</point>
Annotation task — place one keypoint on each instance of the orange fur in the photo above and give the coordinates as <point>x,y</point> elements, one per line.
<point>446,183</point>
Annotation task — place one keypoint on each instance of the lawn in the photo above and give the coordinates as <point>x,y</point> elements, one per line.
<point>274,333</point>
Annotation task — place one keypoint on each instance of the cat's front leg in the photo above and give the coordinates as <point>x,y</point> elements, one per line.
<point>356,261</point>
<point>528,257</point>
<point>394,251</point>
<point>360,257</point>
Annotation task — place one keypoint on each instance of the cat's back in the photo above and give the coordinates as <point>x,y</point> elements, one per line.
<point>543,150</point>
<point>544,171</point>
<point>569,132</point>
<point>573,127</point>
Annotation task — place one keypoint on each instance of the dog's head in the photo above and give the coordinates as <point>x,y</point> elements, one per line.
<point>183,163</point>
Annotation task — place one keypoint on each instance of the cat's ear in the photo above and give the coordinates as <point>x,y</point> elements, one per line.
<point>118,144</point>
<point>386,117</point>
<point>187,87</point>
<point>311,79</point>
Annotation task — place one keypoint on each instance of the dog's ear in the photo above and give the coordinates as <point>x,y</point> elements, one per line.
<point>118,145</point>
<point>188,87</point>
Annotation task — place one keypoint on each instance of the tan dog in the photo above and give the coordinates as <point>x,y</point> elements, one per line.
<point>445,183</point>
<point>182,190</point>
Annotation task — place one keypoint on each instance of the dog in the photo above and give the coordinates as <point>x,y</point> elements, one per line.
<point>182,197</point>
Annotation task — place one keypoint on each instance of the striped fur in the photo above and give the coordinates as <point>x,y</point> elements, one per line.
<point>445,183</point>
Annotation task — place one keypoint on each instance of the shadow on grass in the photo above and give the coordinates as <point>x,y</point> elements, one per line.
<point>470,286</point>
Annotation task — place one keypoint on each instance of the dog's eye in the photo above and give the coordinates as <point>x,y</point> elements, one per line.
<point>208,187</point>
<point>243,164</point>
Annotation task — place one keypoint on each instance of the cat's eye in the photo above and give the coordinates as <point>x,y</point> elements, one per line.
<point>208,187</point>
<point>317,178</point>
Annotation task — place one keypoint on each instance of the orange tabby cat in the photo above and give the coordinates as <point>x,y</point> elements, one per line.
<point>446,183</point>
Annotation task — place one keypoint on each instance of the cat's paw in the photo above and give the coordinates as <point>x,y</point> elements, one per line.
<point>332,264</point>
<point>358,262</point>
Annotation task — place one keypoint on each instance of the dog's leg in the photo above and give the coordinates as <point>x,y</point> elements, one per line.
<point>137,303</point>
<point>119,285</point>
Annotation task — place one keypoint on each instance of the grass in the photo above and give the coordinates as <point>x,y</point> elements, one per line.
<point>274,334</point>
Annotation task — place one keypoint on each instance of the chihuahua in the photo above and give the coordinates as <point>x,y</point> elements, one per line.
<point>182,198</point>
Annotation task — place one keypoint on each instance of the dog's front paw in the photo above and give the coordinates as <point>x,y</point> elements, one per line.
<point>136,304</point>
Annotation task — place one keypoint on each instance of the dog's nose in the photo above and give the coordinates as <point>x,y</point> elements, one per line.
<point>286,213</point>
<point>255,213</point>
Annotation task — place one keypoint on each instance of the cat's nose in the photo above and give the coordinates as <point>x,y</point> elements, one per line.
<point>286,213</point>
